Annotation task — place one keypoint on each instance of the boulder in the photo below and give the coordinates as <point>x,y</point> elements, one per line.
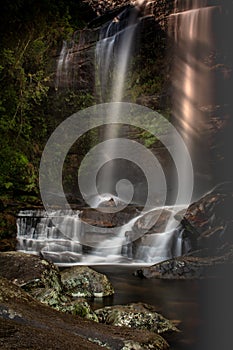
<point>37,276</point>
<point>209,221</point>
<point>196,266</point>
<point>82,281</point>
<point>147,234</point>
<point>137,316</point>
<point>208,225</point>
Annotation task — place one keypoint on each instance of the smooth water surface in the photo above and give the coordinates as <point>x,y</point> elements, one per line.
<point>202,308</point>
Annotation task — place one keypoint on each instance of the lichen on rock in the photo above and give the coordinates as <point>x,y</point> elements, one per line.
<point>82,281</point>
<point>79,307</point>
<point>136,315</point>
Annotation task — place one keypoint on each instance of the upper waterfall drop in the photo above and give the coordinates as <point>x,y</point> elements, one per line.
<point>113,52</point>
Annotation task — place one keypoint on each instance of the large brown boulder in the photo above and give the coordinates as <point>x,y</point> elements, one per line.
<point>209,221</point>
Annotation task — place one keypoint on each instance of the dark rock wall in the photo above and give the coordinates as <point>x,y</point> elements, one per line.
<point>81,50</point>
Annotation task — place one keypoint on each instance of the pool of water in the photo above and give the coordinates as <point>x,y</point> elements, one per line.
<point>202,308</point>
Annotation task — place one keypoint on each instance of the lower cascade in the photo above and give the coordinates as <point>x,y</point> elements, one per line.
<point>69,237</point>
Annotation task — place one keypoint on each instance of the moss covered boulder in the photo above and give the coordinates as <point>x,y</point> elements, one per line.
<point>136,315</point>
<point>82,281</point>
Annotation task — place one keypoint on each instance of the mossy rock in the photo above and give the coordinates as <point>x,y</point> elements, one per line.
<point>82,281</point>
<point>136,315</point>
<point>79,307</point>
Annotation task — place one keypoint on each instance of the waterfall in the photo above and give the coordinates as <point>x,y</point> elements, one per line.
<point>113,55</point>
<point>113,51</point>
<point>193,82</point>
<point>139,240</point>
<point>64,74</point>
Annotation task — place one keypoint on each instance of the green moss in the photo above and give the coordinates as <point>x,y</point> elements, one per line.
<point>80,308</point>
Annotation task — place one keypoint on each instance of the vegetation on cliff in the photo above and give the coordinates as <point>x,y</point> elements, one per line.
<point>31,36</point>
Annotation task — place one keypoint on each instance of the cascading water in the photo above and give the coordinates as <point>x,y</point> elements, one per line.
<point>131,243</point>
<point>80,244</point>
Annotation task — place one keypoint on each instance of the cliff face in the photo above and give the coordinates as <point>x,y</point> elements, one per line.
<point>103,6</point>
<point>76,63</point>
<point>160,8</point>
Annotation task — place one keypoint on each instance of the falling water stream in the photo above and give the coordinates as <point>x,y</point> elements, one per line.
<point>38,232</point>
<point>192,27</point>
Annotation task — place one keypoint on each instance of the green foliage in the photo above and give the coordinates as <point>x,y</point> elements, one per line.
<point>145,79</point>
<point>16,172</point>
<point>30,34</point>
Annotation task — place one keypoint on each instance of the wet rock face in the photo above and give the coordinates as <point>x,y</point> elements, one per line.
<point>7,229</point>
<point>100,7</point>
<point>81,281</point>
<point>154,221</point>
<point>137,316</point>
<point>159,8</point>
<point>104,219</point>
